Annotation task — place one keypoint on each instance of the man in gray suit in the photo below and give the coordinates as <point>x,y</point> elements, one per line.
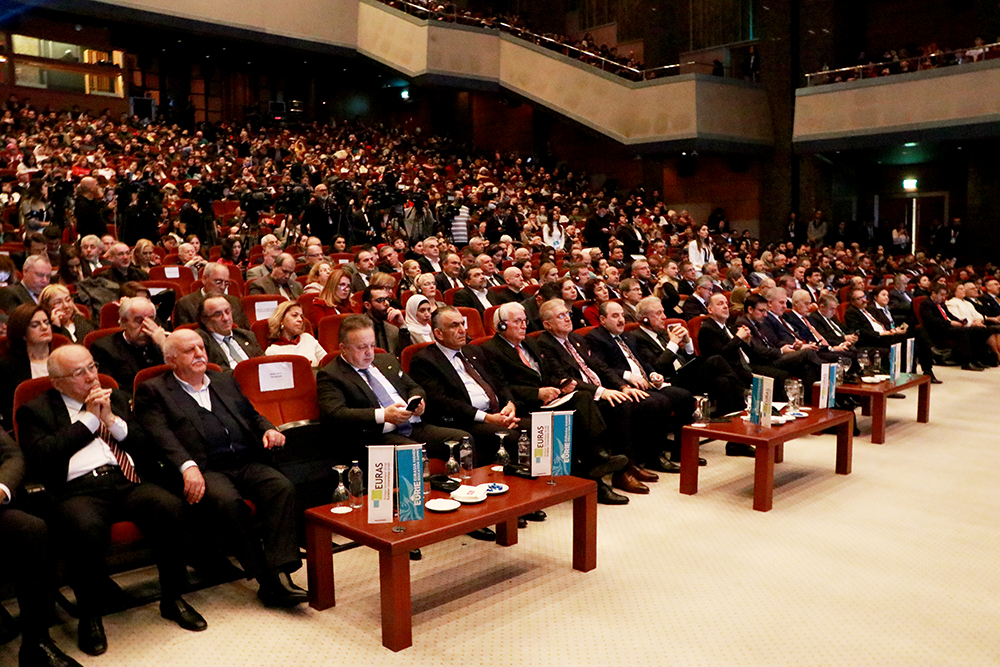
<point>272,248</point>
<point>36,274</point>
<point>280,281</point>
<point>225,344</point>
<point>216,279</point>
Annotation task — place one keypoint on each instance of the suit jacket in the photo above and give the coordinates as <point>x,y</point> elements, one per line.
<point>899,299</point>
<point>670,298</point>
<point>123,361</point>
<point>660,359</point>
<point>606,349</point>
<point>347,403</point>
<point>832,336</point>
<point>174,423</point>
<point>255,272</point>
<point>245,339</point>
<point>11,463</point>
<point>937,325</point>
<point>776,331</point>
<point>357,282</point>
<point>693,307</point>
<point>523,382</point>
<point>266,285</point>
<point>186,310</point>
<point>761,349</point>
<point>988,305</point>
<point>49,438</point>
<point>558,364</point>
<point>856,322</point>
<point>507,295</point>
<point>466,298</point>
<point>13,296</point>
<point>83,327</point>
<point>444,284</point>
<point>685,286</point>
<point>426,266</point>
<point>448,400</point>
<point>712,340</point>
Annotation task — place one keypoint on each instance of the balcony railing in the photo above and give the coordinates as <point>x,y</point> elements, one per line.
<point>935,60</point>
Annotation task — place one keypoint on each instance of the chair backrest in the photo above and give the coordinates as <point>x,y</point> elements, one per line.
<point>339,258</point>
<point>530,290</point>
<point>480,340</point>
<point>157,286</point>
<point>280,406</point>
<point>496,289</point>
<point>356,302</point>
<point>329,331</point>
<point>407,354</point>
<point>631,326</point>
<point>235,288</point>
<point>473,322</point>
<point>29,390</point>
<point>583,331</point>
<point>93,336</point>
<point>488,327</point>
<point>83,310</point>
<point>330,356</point>
<point>260,332</point>
<point>916,309</point>
<point>449,295</point>
<point>109,315</point>
<point>179,274</point>
<point>842,311</point>
<point>260,306</point>
<point>156,371</point>
<point>693,327</point>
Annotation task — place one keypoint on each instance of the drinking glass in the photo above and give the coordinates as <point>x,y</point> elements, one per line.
<point>451,465</point>
<point>747,399</point>
<point>877,362</point>
<point>465,457</point>
<point>341,497</point>
<point>793,390</point>
<point>701,409</point>
<point>863,362</point>
<point>503,458</point>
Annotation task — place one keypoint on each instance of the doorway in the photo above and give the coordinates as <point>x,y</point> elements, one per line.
<point>920,213</point>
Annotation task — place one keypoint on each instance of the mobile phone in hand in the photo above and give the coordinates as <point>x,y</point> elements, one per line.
<point>413,404</point>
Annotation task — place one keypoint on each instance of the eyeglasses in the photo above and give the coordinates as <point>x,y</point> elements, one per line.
<point>79,372</point>
<point>565,315</point>
<point>381,299</point>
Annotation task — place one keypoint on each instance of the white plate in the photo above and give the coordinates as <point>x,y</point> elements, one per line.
<point>800,414</point>
<point>442,505</point>
<point>494,488</point>
<point>870,380</point>
<point>341,510</point>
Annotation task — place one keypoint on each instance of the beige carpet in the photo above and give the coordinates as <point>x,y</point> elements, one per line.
<point>895,564</point>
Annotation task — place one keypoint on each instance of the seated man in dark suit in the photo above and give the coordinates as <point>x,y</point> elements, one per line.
<point>631,413</point>
<point>36,274</point>
<point>450,276</point>
<point>989,302</point>
<point>137,346</point>
<point>215,277</point>
<point>122,271</point>
<point>475,294</point>
<point>515,361</point>
<point>875,327</point>
<point>900,301</point>
<point>280,281</point>
<point>697,303</point>
<point>77,439</point>
<point>205,428</point>
<point>364,262</point>
<point>947,331</point>
<point>388,323</point>
<point>27,555</point>
<point>824,320</point>
<point>763,351</point>
<point>514,281</point>
<point>797,319</point>
<point>225,344</point>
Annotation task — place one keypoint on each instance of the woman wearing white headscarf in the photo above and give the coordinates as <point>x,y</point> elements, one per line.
<point>418,319</point>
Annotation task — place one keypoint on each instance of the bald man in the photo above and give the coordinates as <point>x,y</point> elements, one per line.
<point>514,280</point>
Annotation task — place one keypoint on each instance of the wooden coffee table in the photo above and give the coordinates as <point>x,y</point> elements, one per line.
<point>525,496</point>
<point>770,447</point>
<point>876,394</point>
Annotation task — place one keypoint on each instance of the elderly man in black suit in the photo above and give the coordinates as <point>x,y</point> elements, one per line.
<point>450,276</point>
<point>514,286</point>
<point>946,330</point>
<point>874,325</point>
<point>205,428</point>
<point>697,303</point>
<point>36,274</point>
<point>137,346</point>
<point>215,279</point>
<point>225,344</point>
<point>78,440</point>
<point>27,555</point>
<point>280,281</point>
<point>515,361</point>
<point>476,294</point>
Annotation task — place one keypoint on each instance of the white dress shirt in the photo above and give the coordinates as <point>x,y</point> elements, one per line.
<point>96,453</point>
<point>480,401</point>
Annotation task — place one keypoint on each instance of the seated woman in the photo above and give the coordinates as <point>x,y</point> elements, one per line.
<point>596,292</point>
<point>63,314</point>
<point>8,271</point>
<point>286,333</point>
<point>959,306</point>
<point>29,342</point>
<point>335,299</point>
<point>70,268</point>
<point>232,253</point>
<point>418,319</point>
<point>548,273</point>
<point>144,255</point>
<point>411,271</point>
<point>318,276</point>
<point>427,286</point>
<point>339,244</point>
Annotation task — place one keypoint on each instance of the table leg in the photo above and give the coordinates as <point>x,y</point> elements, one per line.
<point>924,403</point>
<point>319,566</point>
<point>878,418</point>
<point>845,446</point>
<point>866,407</point>
<point>507,533</point>
<point>763,478</point>
<point>394,580</point>
<point>585,532</point>
<point>779,453</point>
<point>689,461</point>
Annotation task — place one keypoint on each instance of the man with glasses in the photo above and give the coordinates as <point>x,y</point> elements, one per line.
<point>281,281</point>
<point>314,255</point>
<point>388,322</point>
<point>225,344</point>
<point>36,274</point>
<point>764,352</point>
<point>77,439</point>
<point>697,303</point>
<point>215,279</point>
<point>122,355</point>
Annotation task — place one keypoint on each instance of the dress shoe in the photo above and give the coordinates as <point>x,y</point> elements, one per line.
<point>538,515</point>
<point>739,449</point>
<point>44,654</point>
<point>642,474</point>
<point>896,395</point>
<point>522,522</point>
<point>415,554</point>
<point>934,379</point>
<point>625,481</point>
<point>183,614</point>
<point>90,635</point>
<point>276,592</point>
<point>607,464</point>
<point>972,367</point>
<point>483,534</point>
<point>701,461</point>
<point>663,464</point>
<point>607,496</point>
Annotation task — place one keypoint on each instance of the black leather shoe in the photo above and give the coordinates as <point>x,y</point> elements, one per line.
<point>276,592</point>
<point>415,554</point>
<point>90,636</point>
<point>972,367</point>
<point>934,380</point>
<point>608,465</point>
<point>663,464</point>
<point>536,516</point>
<point>183,614</point>
<point>738,449</point>
<point>607,496</point>
<point>44,654</point>
<point>483,534</point>
<point>522,522</point>
<point>701,461</point>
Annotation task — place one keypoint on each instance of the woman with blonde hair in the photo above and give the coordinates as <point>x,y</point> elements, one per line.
<point>427,286</point>
<point>286,333</point>
<point>144,255</point>
<point>63,314</point>
<point>319,275</point>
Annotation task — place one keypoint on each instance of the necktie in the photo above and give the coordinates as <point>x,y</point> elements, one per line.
<point>944,314</point>
<point>631,357</point>
<point>490,394</point>
<point>888,315</point>
<point>876,325</point>
<point>384,399</point>
<point>833,325</point>
<point>524,357</point>
<point>234,350</point>
<point>744,359</point>
<point>812,330</point>
<point>124,460</point>
<point>589,375</point>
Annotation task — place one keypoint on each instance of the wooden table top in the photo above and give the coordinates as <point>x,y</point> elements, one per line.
<point>738,430</point>
<point>904,381</point>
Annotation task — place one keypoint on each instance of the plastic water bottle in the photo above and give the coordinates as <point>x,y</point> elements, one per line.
<point>524,449</point>
<point>356,484</point>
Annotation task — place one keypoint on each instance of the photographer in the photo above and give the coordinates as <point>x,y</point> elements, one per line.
<point>418,220</point>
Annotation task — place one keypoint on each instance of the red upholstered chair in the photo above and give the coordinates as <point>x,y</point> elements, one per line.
<point>473,322</point>
<point>156,371</point>
<point>842,311</point>
<point>284,408</point>
<point>480,340</point>
<point>109,315</point>
<point>157,286</point>
<point>407,354</point>
<point>89,339</point>
<point>488,326</point>
<point>251,301</point>
<point>339,258</point>
<point>260,332</point>
<point>329,331</point>
<point>449,295</point>
<point>583,331</point>
<point>693,327</point>
<point>180,274</point>
<point>530,289</point>
<point>916,309</point>
<point>631,326</point>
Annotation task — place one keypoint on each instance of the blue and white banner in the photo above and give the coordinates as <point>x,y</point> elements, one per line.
<point>761,397</point>
<point>562,443</point>
<point>381,476</point>
<point>895,360</point>
<point>827,385</point>
<point>410,478</point>
<point>911,344</point>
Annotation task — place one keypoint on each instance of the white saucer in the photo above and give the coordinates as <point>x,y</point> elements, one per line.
<point>341,510</point>
<point>800,414</point>
<point>494,488</point>
<point>497,468</point>
<point>442,505</point>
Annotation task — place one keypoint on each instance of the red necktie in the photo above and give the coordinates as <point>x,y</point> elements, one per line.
<point>490,394</point>
<point>588,374</point>
<point>124,461</point>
